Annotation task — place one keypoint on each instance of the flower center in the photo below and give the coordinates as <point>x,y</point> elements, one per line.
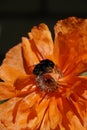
<point>47,75</point>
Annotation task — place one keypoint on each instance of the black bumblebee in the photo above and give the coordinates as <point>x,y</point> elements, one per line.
<point>45,66</point>
<point>44,80</point>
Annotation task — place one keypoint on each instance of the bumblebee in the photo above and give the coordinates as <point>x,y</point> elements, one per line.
<point>45,66</point>
<point>43,72</point>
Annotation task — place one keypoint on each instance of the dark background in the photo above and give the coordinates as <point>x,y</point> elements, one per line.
<point>17,17</point>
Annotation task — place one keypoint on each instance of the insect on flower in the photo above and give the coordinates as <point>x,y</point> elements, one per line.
<point>44,80</point>
<point>45,66</point>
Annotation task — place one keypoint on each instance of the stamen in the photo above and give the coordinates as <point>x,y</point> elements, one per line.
<point>45,83</point>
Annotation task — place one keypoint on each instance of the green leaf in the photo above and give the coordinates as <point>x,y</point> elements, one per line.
<point>84,73</point>
<point>2,101</point>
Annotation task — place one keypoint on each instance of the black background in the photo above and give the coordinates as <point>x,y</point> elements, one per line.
<point>19,16</point>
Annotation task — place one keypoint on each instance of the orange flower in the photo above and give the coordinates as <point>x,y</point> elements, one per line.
<point>43,82</point>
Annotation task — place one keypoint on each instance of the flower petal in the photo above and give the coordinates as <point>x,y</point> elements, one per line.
<point>70,40</point>
<point>14,112</point>
<point>2,127</point>
<point>7,91</point>
<point>23,81</point>
<point>40,110</point>
<point>28,53</point>
<point>45,123</point>
<point>12,65</point>
<point>76,101</point>
<point>75,124</point>
<point>78,65</point>
<point>54,114</point>
<point>6,117</point>
<point>81,88</point>
<point>43,40</point>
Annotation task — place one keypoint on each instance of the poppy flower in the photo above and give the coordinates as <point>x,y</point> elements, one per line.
<point>43,86</point>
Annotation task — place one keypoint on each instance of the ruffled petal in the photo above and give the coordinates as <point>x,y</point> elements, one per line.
<point>42,39</point>
<point>40,110</point>
<point>2,127</point>
<point>9,74</point>
<point>77,66</point>
<point>45,123</point>
<point>74,100</point>
<point>54,114</point>
<point>75,124</point>
<point>12,65</point>
<point>75,85</point>
<point>24,113</point>
<point>7,91</point>
<point>6,117</point>
<point>28,52</point>
<point>70,41</point>
<point>79,87</point>
<point>24,81</point>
